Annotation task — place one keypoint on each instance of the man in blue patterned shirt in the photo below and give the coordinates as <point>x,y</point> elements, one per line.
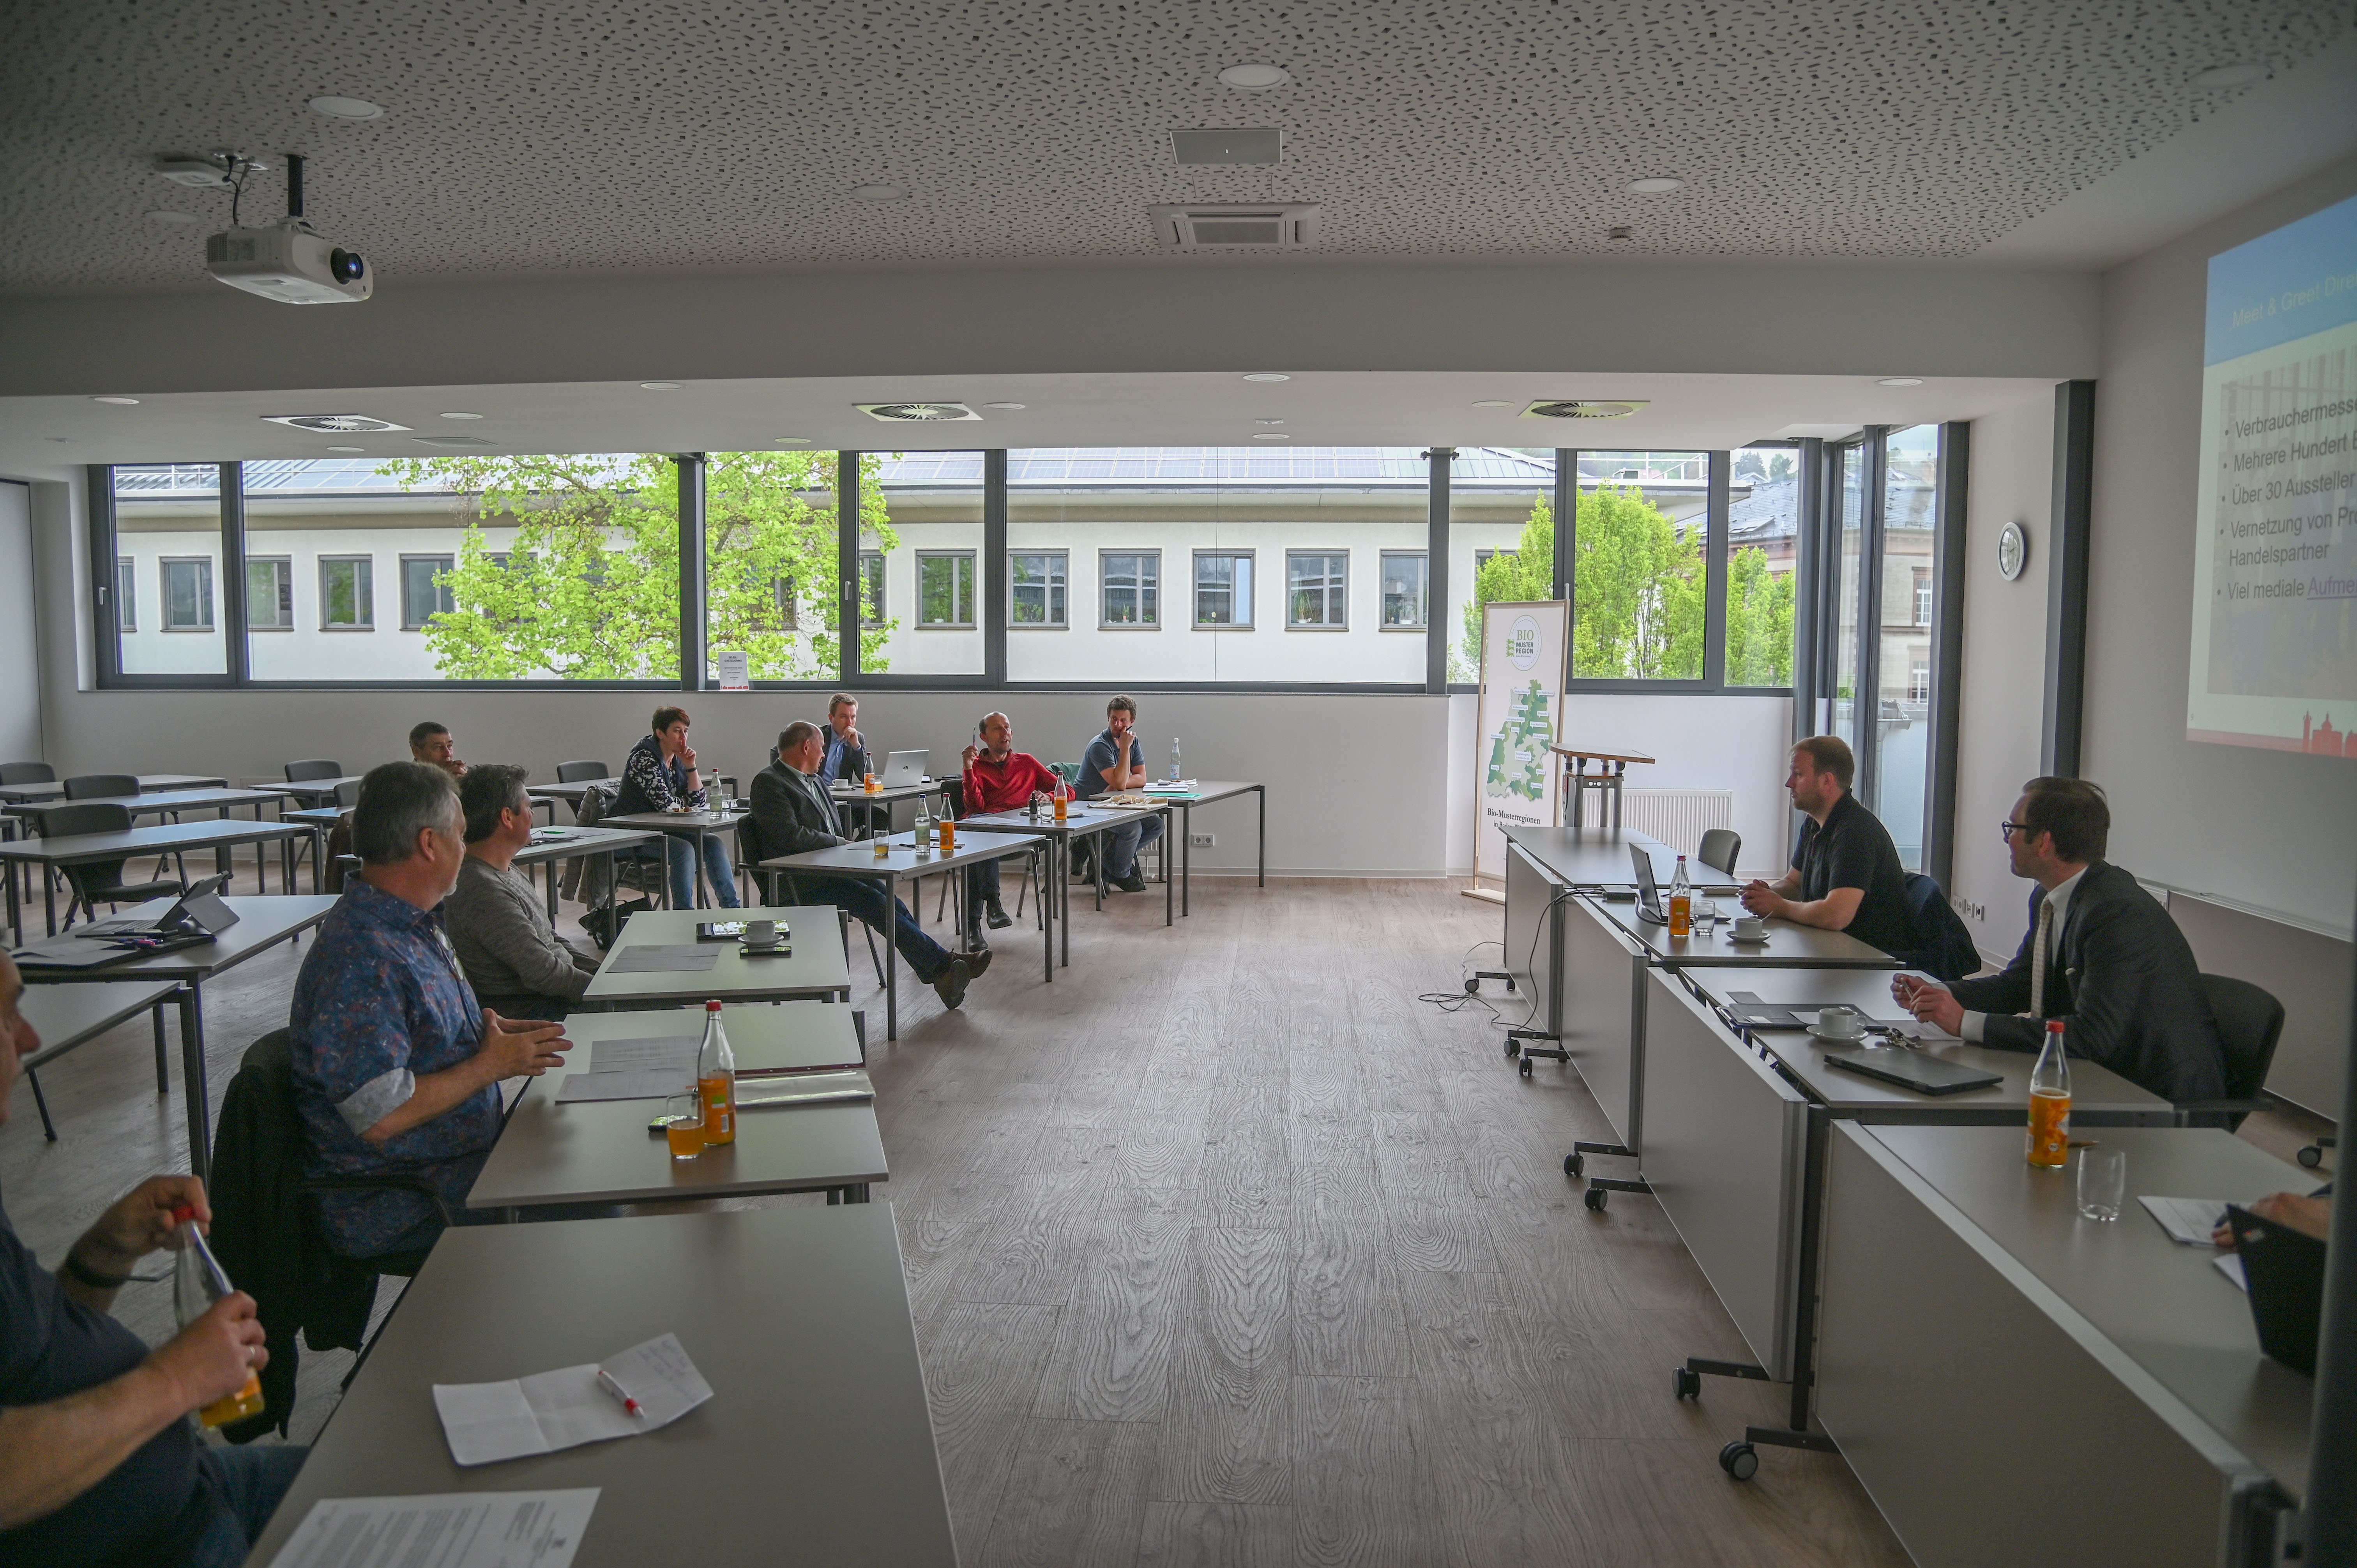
<point>396,1068</point>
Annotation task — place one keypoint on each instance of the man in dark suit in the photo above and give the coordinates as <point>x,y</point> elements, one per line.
<point>793,814</point>
<point>2102,954</point>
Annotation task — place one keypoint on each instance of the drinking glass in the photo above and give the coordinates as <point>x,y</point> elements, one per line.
<point>684,1125</point>
<point>2103,1181</point>
<point>1705,916</point>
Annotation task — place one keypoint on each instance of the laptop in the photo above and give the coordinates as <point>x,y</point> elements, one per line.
<point>1912,1070</point>
<point>1648,892</point>
<point>196,915</point>
<point>2285,1272</point>
<point>902,768</point>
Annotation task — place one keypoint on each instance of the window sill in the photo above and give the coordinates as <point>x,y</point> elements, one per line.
<point>1038,626</point>
<point>1418,631</point>
<point>1199,626</point>
<point>348,629</point>
<point>1315,626</point>
<point>1129,625</point>
<point>946,626</point>
<point>199,630</point>
<point>278,628</point>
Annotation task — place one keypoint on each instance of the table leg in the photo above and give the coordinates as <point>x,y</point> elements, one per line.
<point>1061,891</point>
<point>891,965</point>
<point>1187,859</point>
<point>1262,790</point>
<point>1098,860</point>
<point>49,896</point>
<point>192,1079</point>
<point>318,859</point>
<point>1167,906</point>
<point>550,890</point>
<point>1042,856</point>
<point>15,911</point>
<point>163,1060</point>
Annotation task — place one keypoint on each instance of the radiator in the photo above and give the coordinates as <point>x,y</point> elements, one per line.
<point>1677,817</point>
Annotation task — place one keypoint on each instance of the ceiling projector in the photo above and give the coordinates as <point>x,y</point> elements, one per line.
<point>289,261</point>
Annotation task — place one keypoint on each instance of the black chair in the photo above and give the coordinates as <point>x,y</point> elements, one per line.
<point>96,881</point>
<point>27,773</point>
<point>348,795</point>
<point>100,786</point>
<point>1720,848</point>
<point>581,772</point>
<point>2250,1021</point>
<point>1942,947</point>
<point>315,767</point>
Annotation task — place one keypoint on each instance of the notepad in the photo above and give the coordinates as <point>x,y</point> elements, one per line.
<point>449,1529</point>
<point>636,1083</point>
<point>2191,1221</point>
<point>484,1422</point>
<point>658,958</point>
<point>660,1050</point>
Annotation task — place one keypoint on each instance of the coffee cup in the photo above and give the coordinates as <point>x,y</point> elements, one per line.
<point>1751,929</point>
<point>1841,1023</point>
<point>761,933</point>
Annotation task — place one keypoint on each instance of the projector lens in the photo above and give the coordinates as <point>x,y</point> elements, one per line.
<point>346,265</point>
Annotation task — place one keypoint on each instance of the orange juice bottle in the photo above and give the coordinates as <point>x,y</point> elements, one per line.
<point>2050,1102</point>
<point>716,1081</point>
<point>1681,901</point>
<point>948,833</point>
<point>1063,798</point>
<point>198,1282</point>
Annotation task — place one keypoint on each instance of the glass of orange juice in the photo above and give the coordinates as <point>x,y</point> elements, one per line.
<point>684,1125</point>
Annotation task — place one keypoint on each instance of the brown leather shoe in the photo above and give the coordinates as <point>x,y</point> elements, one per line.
<point>977,959</point>
<point>950,984</point>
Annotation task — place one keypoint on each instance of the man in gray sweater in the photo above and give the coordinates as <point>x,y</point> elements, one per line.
<point>514,958</point>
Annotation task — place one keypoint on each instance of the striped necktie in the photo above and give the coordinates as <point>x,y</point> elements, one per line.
<point>2037,958</point>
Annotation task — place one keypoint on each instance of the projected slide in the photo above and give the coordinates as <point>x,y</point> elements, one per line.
<point>2274,577</point>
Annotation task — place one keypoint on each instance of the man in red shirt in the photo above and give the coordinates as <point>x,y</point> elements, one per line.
<point>997,779</point>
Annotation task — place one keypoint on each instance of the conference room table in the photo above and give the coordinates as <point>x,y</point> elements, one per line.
<point>815,1449</point>
<point>553,1154</point>
<point>848,797</point>
<point>164,839</point>
<point>548,844</point>
<point>904,863</point>
<point>1738,1114</point>
<point>312,791</point>
<point>2014,1382</point>
<point>1083,820</point>
<point>817,966</point>
<point>1207,792</point>
<point>160,802</point>
<point>68,1016</point>
<point>263,922</point>
<point>148,784</point>
<point>570,791</point>
<point>697,825</point>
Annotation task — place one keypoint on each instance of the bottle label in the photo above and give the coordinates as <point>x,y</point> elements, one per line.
<point>2050,1130</point>
<point>719,1109</point>
<point>1681,916</point>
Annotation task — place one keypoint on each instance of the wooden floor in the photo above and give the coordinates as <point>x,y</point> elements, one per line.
<point>1224,1249</point>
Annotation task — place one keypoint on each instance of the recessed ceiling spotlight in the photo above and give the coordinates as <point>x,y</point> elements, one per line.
<point>118,402</point>
<point>659,386</point>
<point>1272,435</point>
<point>457,414</point>
<point>792,441</point>
<point>177,220</point>
<point>338,108</point>
<point>1009,407</point>
<point>1266,376</point>
<point>1900,382</point>
<point>1254,77</point>
<point>2219,77</point>
<point>1620,231</point>
<point>1494,402</point>
<point>1268,422</point>
<point>347,448</point>
<point>1656,185</point>
<point>880,192</point>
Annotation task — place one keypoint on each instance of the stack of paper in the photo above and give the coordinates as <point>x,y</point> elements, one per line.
<point>649,1068</point>
<point>549,1411</point>
<point>2188,1220</point>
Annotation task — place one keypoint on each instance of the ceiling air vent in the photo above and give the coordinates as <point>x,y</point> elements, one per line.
<point>1278,226</point>
<point>1586,408</point>
<point>1255,144</point>
<point>915,412</point>
<point>332,424</point>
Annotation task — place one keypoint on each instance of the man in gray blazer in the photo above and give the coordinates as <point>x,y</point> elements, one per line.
<point>2102,954</point>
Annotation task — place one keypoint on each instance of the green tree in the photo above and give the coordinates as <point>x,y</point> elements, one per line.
<point>1637,605</point>
<point>588,587</point>
<point>1759,622</point>
<point>1520,575</point>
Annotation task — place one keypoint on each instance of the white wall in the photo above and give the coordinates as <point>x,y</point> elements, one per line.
<point>2276,831</point>
<point>20,700</point>
<point>2002,709</point>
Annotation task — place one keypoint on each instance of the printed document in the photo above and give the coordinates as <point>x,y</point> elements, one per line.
<point>549,1411</point>
<point>446,1530</point>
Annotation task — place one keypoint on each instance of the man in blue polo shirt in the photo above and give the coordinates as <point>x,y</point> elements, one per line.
<point>1114,761</point>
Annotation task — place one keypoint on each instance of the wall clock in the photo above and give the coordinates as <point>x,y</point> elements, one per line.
<point>2012,550</point>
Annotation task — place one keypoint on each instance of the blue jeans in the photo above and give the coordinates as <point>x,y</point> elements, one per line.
<point>1122,844</point>
<point>679,854</point>
<point>244,1487</point>
<point>865,902</point>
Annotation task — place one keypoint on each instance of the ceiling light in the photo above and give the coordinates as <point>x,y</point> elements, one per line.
<point>455,413</point>
<point>177,219</point>
<point>201,173</point>
<point>659,386</point>
<point>1268,422</point>
<point>1010,407</point>
<point>1272,435</point>
<point>1492,402</point>
<point>2219,77</point>
<point>1900,382</point>
<point>790,441</point>
<point>346,108</point>
<point>1620,231</point>
<point>1266,376</point>
<point>347,448</point>
<point>1254,77</point>
<point>880,192</point>
<point>118,402</point>
<point>1657,185</point>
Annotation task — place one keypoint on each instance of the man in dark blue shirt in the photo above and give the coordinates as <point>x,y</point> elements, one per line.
<point>1845,874</point>
<point>1116,761</point>
<point>103,1467</point>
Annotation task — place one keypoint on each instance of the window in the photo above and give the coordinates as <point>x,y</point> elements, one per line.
<point>1902,727</point>
<point>1036,581</point>
<point>945,587</point>
<point>1404,589</point>
<point>188,594</point>
<point>347,593</point>
<point>871,588</point>
<point>269,592</point>
<point>1923,595</point>
<point>1763,533</point>
<point>1639,557</point>
<point>423,596</point>
<point>1317,590</point>
<point>1850,521</point>
<point>1131,591</point>
<point>1223,589</point>
<point>126,594</point>
<point>1919,679</point>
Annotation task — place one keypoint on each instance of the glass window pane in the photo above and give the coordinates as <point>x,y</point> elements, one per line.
<point>1131,588</point>
<point>1036,581</point>
<point>1911,507</point>
<point>1501,543</point>
<point>1223,589</point>
<point>1406,586</point>
<point>347,599</point>
<point>930,505</point>
<point>945,588</point>
<point>1763,521</point>
<point>772,563</point>
<point>1852,503</point>
<point>872,609</point>
<point>1316,589</point>
<point>1639,561</point>
<point>422,595</point>
<point>269,594</point>
<point>167,537</point>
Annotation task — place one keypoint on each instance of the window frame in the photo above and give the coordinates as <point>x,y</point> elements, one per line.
<point>965,591</point>
<point>1056,591</point>
<point>286,583</point>
<point>164,564</point>
<point>450,562</point>
<point>1138,586</point>
<point>1423,559</point>
<point>1251,592</point>
<point>126,593</point>
<point>1328,589</point>
<point>368,560</point>
<point>872,575</point>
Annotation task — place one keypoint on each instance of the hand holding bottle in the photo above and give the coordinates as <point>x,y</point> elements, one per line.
<point>216,1354</point>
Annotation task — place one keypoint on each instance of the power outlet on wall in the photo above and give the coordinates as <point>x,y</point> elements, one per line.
<point>1970,910</point>
<point>1202,840</point>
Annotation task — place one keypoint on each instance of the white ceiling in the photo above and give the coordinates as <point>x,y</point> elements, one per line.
<point>597,136</point>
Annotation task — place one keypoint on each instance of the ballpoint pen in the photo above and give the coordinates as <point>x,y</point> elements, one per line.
<point>606,1382</point>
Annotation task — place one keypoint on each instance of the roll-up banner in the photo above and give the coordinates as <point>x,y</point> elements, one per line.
<point>1525,652</point>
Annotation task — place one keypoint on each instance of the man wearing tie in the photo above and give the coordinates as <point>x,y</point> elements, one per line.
<point>2102,954</point>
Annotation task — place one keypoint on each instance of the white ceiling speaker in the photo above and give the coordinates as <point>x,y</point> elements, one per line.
<point>332,424</point>
<point>1275,226</point>
<point>915,412</point>
<point>1254,77</point>
<point>1656,185</point>
<point>337,107</point>
<point>1586,408</point>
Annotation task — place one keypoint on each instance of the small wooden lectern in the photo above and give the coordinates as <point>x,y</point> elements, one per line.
<point>1612,765</point>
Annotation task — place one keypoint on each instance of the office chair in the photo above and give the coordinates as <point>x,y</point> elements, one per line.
<point>27,773</point>
<point>581,772</point>
<point>95,786</point>
<point>2250,1021</point>
<point>1720,848</point>
<point>94,881</point>
<point>315,767</point>
<point>348,795</point>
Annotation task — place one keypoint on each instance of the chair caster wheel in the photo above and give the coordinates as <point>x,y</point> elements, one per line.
<point>1510,984</point>
<point>2311,1156</point>
<point>1472,986</point>
<point>1596,1197</point>
<point>1513,1049</point>
<point>1572,1165</point>
<point>1527,1066</point>
<point>1685,1383</point>
<point>1740,1460</point>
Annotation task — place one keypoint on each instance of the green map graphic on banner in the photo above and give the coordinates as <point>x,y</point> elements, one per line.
<point>1518,750</point>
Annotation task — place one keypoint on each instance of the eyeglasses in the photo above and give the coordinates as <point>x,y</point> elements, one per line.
<point>2007,829</point>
